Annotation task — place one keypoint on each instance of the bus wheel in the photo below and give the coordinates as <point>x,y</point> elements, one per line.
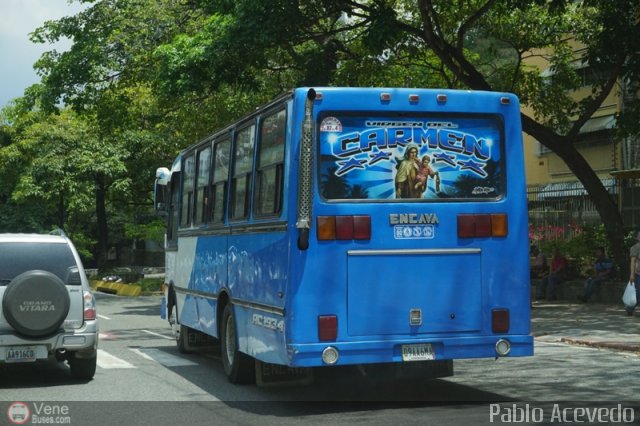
<point>180,332</point>
<point>239,367</point>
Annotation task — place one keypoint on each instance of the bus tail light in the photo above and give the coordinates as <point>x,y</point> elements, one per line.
<point>326,229</point>
<point>500,320</point>
<point>327,327</point>
<point>343,228</point>
<point>482,225</point>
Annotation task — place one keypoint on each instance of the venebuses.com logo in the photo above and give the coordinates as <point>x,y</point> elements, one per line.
<point>20,413</point>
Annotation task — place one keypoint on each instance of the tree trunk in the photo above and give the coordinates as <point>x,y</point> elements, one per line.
<point>101,221</point>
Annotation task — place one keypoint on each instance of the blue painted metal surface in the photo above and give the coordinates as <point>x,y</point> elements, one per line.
<point>278,291</point>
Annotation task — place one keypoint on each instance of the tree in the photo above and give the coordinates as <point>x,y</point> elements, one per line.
<point>203,54</point>
<point>477,44</point>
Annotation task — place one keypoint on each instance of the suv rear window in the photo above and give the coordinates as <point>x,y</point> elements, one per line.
<point>419,157</point>
<point>16,258</point>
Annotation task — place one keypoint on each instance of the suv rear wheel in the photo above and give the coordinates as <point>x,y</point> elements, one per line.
<point>82,368</point>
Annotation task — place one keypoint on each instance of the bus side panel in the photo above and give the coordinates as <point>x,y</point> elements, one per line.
<point>208,277</point>
<point>258,283</point>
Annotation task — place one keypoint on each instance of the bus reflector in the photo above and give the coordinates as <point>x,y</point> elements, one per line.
<point>343,228</point>
<point>327,327</point>
<point>482,225</point>
<point>505,101</point>
<point>500,320</point>
<point>326,227</point>
<point>385,97</point>
<point>441,98</point>
<point>414,98</point>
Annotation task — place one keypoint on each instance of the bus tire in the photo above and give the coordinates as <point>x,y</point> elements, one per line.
<point>182,339</point>
<point>180,332</point>
<point>239,367</point>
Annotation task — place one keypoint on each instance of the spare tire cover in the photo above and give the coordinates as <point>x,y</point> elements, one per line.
<point>35,303</point>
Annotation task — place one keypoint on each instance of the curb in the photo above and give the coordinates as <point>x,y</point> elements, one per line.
<point>121,289</point>
<point>625,347</point>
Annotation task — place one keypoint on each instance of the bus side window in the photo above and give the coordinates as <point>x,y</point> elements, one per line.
<point>188,180</point>
<point>202,189</point>
<point>242,170</point>
<point>270,168</point>
<point>172,217</point>
<point>219,181</point>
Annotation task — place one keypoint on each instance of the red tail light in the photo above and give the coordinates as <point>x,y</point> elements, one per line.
<point>89,306</point>
<point>482,225</point>
<point>327,327</point>
<point>343,228</point>
<point>361,227</point>
<point>500,320</point>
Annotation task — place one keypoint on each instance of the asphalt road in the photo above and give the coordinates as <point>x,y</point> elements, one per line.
<point>142,379</point>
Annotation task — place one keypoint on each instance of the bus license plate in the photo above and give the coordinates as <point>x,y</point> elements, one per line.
<point>419,352</point>
<point>20,354</point>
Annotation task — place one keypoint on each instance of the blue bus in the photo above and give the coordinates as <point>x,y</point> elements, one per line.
<point>352,226</point>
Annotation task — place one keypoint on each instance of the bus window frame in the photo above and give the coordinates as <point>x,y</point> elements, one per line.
<point>223,183</point>
<point>499,118</point>
<point>188,223</point>
<point>279,167</point>
<point>248,187</point>
<point>198,206</point>
<point>173,213</point>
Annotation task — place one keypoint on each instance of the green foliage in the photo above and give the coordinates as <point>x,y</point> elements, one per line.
<point>146,78</point>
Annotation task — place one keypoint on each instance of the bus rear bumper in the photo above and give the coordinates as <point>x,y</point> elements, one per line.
<point>384,351</point>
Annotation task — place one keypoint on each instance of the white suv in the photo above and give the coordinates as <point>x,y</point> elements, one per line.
<point>48,309</point>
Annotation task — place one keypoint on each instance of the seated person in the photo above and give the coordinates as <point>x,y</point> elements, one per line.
<point>557,274</point>
<point>603,268</point>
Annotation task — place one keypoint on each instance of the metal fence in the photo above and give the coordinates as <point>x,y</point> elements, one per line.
<point>561,210</point>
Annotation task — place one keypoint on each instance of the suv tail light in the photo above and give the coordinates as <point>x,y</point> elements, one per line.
<point>89,310</point>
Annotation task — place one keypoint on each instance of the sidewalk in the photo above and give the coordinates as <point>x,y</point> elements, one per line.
<point>590,324</point>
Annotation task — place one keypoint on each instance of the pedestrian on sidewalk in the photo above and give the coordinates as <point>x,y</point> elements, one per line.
<point>557,274</point>
<point>634,275</point>
<point>603,268</point>
<point>539,266</point>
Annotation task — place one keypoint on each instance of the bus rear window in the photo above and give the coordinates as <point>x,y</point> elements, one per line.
<point>405,158</point>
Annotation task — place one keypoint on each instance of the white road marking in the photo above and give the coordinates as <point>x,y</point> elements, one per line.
<point>106,360</point>
<point>166,359</point>
<point>157,334</point>
<point>103,317</point>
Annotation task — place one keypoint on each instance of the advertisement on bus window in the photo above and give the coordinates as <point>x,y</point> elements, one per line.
<point>410,158</point>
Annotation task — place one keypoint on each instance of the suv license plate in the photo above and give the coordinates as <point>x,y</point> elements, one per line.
<point>419,352</point>
<point>20,354</point>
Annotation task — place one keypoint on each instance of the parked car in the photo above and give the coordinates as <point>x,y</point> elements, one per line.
<point>48,309</point>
